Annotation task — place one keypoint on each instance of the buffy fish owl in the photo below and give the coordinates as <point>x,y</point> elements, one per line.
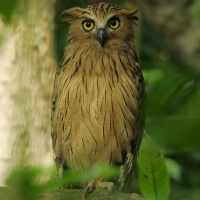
<point>98,93</point>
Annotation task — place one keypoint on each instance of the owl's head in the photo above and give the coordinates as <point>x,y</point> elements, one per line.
<point>100,23</point>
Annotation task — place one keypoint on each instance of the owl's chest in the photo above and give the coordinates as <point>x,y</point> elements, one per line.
<point>95,93</point>
<point>92,97</point>
<point>99,113</point>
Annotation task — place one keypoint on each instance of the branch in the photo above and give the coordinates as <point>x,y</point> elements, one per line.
<point>77,194</point>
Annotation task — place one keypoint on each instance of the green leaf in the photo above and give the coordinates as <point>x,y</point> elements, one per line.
<point>195,10</point>
<point>26,183</point>
<point>7,7</point>
<point>31,182</point>
<point>153,173</point>
<point>152,75</point>
<point>179,131</point>
<point>174,169</point>
<point>172,108</point>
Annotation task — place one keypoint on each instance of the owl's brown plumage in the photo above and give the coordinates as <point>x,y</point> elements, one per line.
<point>98,92</point>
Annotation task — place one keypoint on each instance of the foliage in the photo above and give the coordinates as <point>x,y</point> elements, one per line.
<point>173,114</point>
<point>32,182</point>
<point>170,106</point>
<point>153,174</point>
<point>195,10</point>
<point>7,8</point>
<point>174,169</point>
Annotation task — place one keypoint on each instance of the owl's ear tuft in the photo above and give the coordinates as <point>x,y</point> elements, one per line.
<point>70,14</point>
<point>131,15</point>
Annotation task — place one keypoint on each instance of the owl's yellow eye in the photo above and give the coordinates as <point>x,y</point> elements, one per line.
<point>88,25</point>
<point>114,23</point>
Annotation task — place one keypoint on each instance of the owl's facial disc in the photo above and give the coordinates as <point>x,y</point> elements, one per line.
<point>101,36</point>
<point>104,29</point>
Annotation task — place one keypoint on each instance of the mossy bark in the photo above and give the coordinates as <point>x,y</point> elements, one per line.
<point>75,194</point>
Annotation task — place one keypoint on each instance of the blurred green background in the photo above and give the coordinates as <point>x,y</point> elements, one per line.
<point>168,44</point>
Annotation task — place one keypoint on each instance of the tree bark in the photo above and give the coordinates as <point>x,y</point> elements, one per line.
<point>6,92</point>
<point>77,194</point>
<point>35,65</point>
<point>27,66</point>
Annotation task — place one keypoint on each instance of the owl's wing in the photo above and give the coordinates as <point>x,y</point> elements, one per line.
<point>129,164</point>
<point>56,140</point>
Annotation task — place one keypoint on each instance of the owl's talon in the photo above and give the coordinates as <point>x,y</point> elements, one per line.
<point>89,188</point>
<point>86,192</point>
<point>112,189</point>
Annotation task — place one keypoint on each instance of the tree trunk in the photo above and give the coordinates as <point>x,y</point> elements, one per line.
<point>6,93</point>
<point>27,67</point>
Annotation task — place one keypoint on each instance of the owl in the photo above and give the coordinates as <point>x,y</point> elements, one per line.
<point>98,94</point>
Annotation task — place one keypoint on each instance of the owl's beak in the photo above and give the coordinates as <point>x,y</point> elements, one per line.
<point>101,36</point>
